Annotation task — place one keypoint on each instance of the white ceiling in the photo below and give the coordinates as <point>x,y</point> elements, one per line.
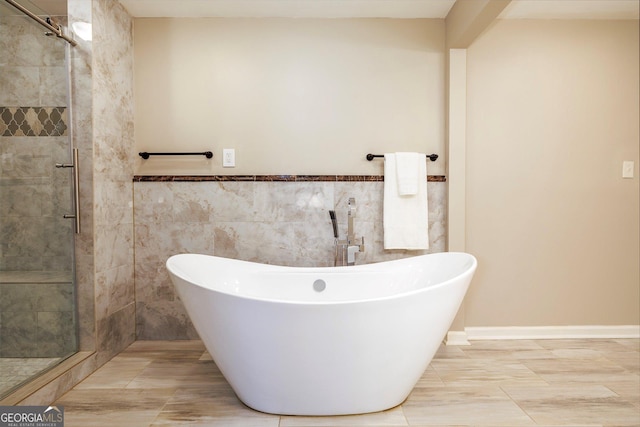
<point>571,9</point>
<point>517,9</point>
<point>291,8</point>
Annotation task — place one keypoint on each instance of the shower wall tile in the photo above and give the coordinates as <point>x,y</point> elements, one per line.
<point>16,50</point>
<point>112,154</point>
<point>55,334</point>
<point>113,207</point>
<point>53,85</point>
<point>18,297</point>
<point>17,263</point>
<point>36,80</point>
<point>284,223</point>
<point>58,238</point>
<point>33,86</point>
<point>55,297</point>
<point>36,318</point>
<point>30,243</point>
<point>22,44</point>
<point>52,263</point>
<point>112,102</point>
<point>114,244</point>
<point>114,290</point>
<point>163,318</point>
<point>18,241</point>
<point>20,85</point>
<point>19,333</point>
<point>24,200</point>
<point>27,157</point>
<point>114,333</point>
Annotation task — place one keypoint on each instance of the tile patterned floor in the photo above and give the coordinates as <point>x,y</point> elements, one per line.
<point>577,383</point>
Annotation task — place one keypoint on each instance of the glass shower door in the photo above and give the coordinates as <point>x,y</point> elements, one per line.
<point>37,297</point>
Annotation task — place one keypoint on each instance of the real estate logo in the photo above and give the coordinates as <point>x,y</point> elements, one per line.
<point>31,416</point>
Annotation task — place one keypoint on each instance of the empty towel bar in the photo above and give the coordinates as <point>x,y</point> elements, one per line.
<point>145,155</point>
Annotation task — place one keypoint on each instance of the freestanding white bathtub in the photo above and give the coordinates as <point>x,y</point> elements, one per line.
<point>322,341</point>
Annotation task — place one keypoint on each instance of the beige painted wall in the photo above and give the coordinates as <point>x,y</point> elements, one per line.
<point>292,96</point>
<point>552,113</point>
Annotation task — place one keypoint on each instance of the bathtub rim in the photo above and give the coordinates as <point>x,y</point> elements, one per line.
<point>470,270</point>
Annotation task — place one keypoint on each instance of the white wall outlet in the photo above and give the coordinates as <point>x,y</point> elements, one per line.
<point>228,158</point>
<point>627,169</point>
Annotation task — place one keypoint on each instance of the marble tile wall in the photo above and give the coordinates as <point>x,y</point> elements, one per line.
<point>113,162</point>
<point>285,223</point>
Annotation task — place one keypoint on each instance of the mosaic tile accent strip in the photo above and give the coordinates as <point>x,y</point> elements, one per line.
<point>272,178</point>
<point>33,121</point>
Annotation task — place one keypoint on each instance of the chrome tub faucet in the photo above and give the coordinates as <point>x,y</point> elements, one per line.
<point>346,249</point>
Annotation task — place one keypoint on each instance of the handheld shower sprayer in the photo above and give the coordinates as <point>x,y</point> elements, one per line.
<point>334,222</point>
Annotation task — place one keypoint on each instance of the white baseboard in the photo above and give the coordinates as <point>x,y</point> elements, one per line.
<point>550,332</point>
<point>456,338</point>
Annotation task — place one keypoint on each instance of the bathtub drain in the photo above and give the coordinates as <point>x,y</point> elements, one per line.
<point>319,285</point>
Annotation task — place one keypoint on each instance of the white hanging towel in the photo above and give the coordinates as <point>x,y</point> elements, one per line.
<point>408,172</point>
<point>405,215</point>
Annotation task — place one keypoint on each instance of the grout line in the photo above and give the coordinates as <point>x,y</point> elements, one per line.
<point>517,404</point>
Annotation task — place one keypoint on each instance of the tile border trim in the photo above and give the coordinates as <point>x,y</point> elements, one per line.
<point>271,178</point>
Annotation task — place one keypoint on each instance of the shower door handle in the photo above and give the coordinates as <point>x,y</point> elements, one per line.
<point>76,188</point>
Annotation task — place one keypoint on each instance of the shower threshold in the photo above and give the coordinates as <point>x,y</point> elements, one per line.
<point>54,381</point>
<point>15,371</point>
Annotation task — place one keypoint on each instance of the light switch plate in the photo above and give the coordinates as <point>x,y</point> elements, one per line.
<point>627,168</point>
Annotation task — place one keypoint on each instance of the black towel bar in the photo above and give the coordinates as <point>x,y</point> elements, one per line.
<point>145,155</point>
<point>432,157</point>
